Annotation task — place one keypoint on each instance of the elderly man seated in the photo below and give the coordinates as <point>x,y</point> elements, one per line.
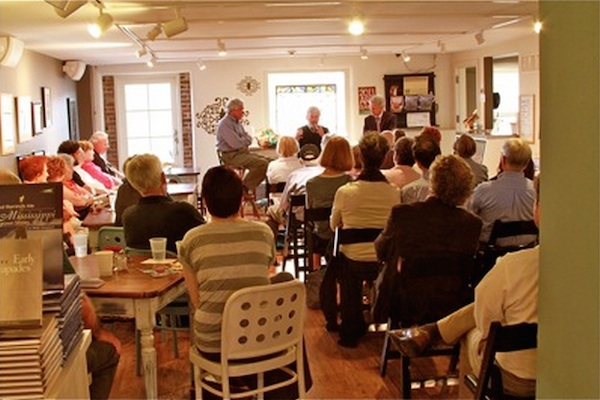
<point>155,214</point>
<point>510,197</point>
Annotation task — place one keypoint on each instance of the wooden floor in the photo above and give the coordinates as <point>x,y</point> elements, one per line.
<point>337,372</point>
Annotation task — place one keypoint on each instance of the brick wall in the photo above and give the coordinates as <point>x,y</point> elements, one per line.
<point>110,118</point>
<point>186,119</point>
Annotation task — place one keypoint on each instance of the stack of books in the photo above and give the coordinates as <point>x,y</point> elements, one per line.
<point>66,304</point>
<point>30,360</point>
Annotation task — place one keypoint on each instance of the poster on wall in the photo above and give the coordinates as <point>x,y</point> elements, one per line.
<point>7,124</point>
<point>364,95</point>
<point>527,117</point>
<point>24,121</point>
<point>47,104</point>
<point>37,117</point>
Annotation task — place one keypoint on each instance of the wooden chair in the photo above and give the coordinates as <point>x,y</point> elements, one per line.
<point>294,237</point>
<point>264,333</point>
<point>111,236</point>
<point>311,217</point>
<point>428,288</point>
<point>501,339</point>
<point>500,230</point>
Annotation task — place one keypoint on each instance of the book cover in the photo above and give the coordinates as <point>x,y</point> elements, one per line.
<point>34,211</point>
<point>21,265</point>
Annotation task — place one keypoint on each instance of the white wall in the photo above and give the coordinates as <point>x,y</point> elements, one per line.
<point>33,72</point>
<point>221,77</point>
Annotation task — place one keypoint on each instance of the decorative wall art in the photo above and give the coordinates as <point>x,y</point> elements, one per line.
<point>37,117</point>
<point>248,86</point>
<point>210,116</point>
<point>24,120</point>
<point>364,95</point>
<point>47,104</point>
<point>8,125</point>
<point>73,119</point>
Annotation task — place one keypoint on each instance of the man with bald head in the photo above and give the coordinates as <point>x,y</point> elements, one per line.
<point>508,198</point>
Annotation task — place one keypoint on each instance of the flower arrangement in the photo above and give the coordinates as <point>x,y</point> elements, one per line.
<point>267,138</point>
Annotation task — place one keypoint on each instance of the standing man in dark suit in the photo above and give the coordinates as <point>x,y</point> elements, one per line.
<point>380,120</point>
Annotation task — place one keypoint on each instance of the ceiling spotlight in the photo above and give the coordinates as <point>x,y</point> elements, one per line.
<point>141,52</point>
<point>356,27</point>
<point>175,27</point>
<point>154,32</point>
<point>292,53</point>
<point>479,38</point>
<point>200,64</point>
<point>442,46</point>
<point>99,27</point>
<point>65,8</point>
<point>222,48</point>
<point>363,54</point>
<point>151,62</point>
<point>405,57</point>
<point>537,26</point>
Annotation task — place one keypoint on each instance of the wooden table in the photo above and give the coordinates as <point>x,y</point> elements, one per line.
<point>94,221</point>
<point>183,192</point>
<point>134,294</point>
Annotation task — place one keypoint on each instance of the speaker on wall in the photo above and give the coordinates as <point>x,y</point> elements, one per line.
<point>11,50</point>
<point>74,69</point>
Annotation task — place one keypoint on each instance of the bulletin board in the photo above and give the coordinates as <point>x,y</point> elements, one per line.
<point>411,97</point>
<point>527,117</point>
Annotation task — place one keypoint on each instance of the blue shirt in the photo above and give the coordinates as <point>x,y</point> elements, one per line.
<point>508,198</point>
<point>231,135</point>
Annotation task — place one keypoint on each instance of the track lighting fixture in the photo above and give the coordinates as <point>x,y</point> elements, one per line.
<point>356,27</point>
<point>65,8</point>
<point>363,54</point>
<point>151,62</point>
<point>99,27</point>
<point>154,32</point>
<point>175,27</point>
<point>200,64</point>
<point>405,57</point>
<point>479,38</point>
<point>441,46</point>
<point>141,52</point>
<point>222,48</point>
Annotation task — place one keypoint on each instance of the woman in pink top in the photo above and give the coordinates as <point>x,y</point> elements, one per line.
<point>91,168</point>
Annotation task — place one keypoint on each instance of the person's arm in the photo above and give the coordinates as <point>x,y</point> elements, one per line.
<point>226,131</point>
<point>299,134</point>
<point>91,322</point>
<point>192,286</point>
<point>383,243</point>
<point>490,295</point>
<point>336,211</point>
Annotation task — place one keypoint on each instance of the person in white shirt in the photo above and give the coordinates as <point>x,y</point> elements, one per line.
<point>403,172</point>
<point>425,150</point>
<point>280,169</point>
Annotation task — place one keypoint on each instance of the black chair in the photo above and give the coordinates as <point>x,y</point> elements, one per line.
<point>294,237</point>
<point>501,339</point>
<point>274,188</point>
<point>500,230</point>
<point>311,217</point>
<point>428,288</point>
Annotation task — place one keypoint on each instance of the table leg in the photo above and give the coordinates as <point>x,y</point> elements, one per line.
<point>144,320</point>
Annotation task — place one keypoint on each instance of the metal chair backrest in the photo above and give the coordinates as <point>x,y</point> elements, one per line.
<point>354,235</point>
<point>512,228</point>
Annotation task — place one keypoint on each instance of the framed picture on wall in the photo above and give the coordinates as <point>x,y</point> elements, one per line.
<point>73,119</point>
<point>24,121</point>
<point>527,117</point>
<point>37,117</point>
<point>364,95</point>
<point>8,127</point>
<point>47,104</point>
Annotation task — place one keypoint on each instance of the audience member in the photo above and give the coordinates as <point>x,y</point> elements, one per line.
<point>126,197</point>
<point>403,172</point>
<point>88,166</point>
<point>465,147</point>
<point>365,203</point>
<point>99,140</point>
<point>509,294</point>
<point>224,255</point>
<point>398,133</point>
<point>311,133</point>
<point>337,160</point>
<point>432,132</point>
<point>60,169</point>
<point>508,198</point>
<point>437,226</point>
<point>233,142</point>
<point>156,214</point>
<point>80,176</point>
<point>34,169</point>
<point>425,150</point>
<point>280,169</point>
<point>388,161</point>
<point>8,178</point>
<point>379,120</point>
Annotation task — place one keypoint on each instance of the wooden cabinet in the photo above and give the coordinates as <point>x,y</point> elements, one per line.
<point>411,97</point>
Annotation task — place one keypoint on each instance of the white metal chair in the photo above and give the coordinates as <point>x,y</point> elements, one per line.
<point>262,331</point>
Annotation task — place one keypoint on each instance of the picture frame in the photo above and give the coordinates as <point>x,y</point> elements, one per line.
<point>73,115</point>
<point>47,106</point>
<point>24,118</point>
<point>527,117</point>
<point>37,117</point>
<point>8,126</point>
<point>364,95</point>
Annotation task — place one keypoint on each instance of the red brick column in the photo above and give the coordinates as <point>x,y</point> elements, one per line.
<point>186,119</point>
<point>110,119</point>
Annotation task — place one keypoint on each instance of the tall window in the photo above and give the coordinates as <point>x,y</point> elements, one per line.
<point>290,95</point>
<point>148,121</point>
<point>506,83</point>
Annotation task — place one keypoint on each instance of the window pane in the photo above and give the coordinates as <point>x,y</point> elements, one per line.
<point>290,99</point>
<point>138,146</point>
<point>159,96</point>
<point>163,148</point>
<point>137,124</point>
<point>161,124</point>
<point>136,97</point>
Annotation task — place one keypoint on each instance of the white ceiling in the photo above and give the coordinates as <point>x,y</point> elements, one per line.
<point>256,29</point>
